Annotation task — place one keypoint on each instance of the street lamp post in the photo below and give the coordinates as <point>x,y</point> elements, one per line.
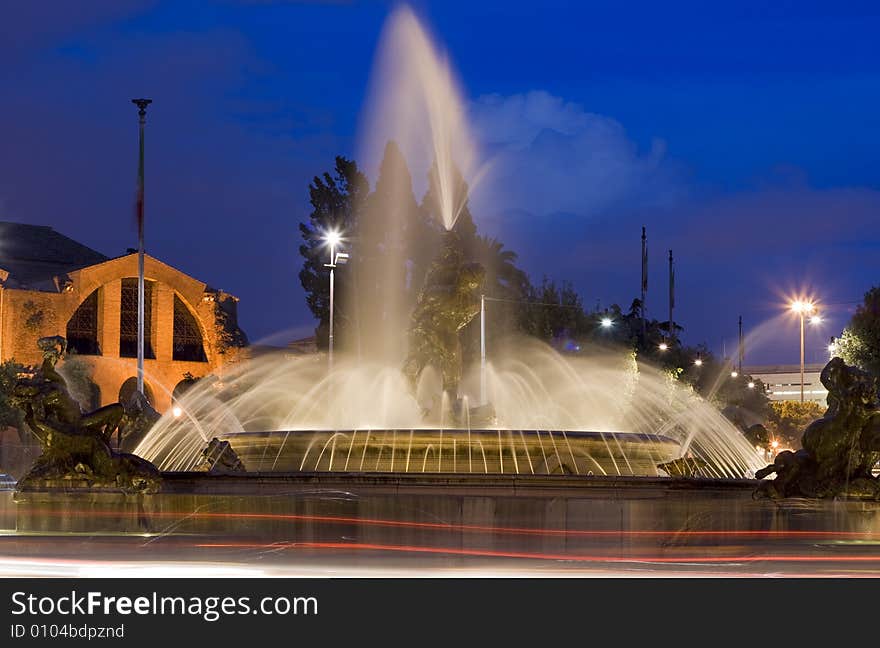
<point>802,356</point>
<point>482,349</point>
<point>804,308</point>
<point>336,259</point>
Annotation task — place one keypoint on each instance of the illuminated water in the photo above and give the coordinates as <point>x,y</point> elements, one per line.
<point>367,420</point>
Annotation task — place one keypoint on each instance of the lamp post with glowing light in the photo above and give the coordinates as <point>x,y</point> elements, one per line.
<point>804,308</point>
<point>333,238</point>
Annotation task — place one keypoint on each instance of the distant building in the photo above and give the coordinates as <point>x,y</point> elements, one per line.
<point>783,382</point>
<point>52,285</point>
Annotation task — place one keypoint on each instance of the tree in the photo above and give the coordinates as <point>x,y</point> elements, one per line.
<point>455,198</point>
<point>506,287</point>
<point>15,457</point>
<point>788,419</point>
<point>556,315</point>
<point>438,199</point>
<point>10,416</point>
<point>504,280</point>
<point>859,344</point>
<point>336,199</point>
<point>387,243</point>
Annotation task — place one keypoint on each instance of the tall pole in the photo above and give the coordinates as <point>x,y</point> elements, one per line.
<point>671,299</point>
<point>332,266</point>
<point>142,120</point>
<point>802,356</point>
<point>482,349</point>
<point>742,349</point>
<point>644,278</point>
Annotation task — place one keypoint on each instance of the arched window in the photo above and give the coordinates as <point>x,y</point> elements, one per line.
<point>187,336</point>
<point>129,387</point>
<point>82,328</point>
<point>128,319</point>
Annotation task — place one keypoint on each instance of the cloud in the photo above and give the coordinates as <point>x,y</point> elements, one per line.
<point>550,156</point>
<point>569,190</point>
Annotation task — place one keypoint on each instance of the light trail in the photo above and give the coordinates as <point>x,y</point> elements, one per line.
<point>488,553</point>
<point>472,528</point>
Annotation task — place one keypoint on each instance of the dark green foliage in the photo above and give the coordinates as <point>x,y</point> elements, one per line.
<point>335,198</point>
<point>859,345</point>
<point>10,416</point>
<point>391,243</point>
<point>788,420</point>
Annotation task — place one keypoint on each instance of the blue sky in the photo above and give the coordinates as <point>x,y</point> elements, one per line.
<point>744,136</point>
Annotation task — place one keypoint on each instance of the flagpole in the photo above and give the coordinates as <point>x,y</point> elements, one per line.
<point>742,349</point>
<point>644,279</point>
<point>671,298</point>
<point>142,120</point>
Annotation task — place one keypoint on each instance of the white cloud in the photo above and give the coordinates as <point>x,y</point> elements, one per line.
<point>548,155</point>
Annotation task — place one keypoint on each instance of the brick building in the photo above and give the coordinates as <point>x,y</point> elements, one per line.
<point>52,285</point>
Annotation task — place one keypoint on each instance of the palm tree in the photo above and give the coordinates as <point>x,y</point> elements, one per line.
<point>504,280</point>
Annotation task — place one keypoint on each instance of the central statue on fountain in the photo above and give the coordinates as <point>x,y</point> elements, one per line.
<point>449,300</point>
<point>839,450</point>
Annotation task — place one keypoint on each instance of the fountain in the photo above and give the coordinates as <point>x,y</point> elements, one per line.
<point>409,405</point>
<point>403,447</point>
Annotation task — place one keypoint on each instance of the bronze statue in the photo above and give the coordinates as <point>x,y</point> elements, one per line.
<point>839,450</point>
<point>139,419</point>
<point>218,457</point>
<point>75,444</point>
<point>449,300</point>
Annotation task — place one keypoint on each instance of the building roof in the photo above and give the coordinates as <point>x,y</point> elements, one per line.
<point>33,255</point>
<point>755,370</point>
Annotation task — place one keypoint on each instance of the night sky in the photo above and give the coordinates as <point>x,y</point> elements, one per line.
<point>744,135</point>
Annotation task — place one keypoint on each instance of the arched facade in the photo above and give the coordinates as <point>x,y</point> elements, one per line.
<point>96,309</point>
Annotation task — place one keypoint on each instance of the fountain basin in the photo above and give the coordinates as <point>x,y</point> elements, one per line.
<point>456,451</point>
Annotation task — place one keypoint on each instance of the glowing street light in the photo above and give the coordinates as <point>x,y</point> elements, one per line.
<point>751,385</point>
<point>734,374</point>
<point>607,322</point>
<point>176,411</point>
<point>663,346</point>
<point>333,238</point>
<point>801,307</point>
